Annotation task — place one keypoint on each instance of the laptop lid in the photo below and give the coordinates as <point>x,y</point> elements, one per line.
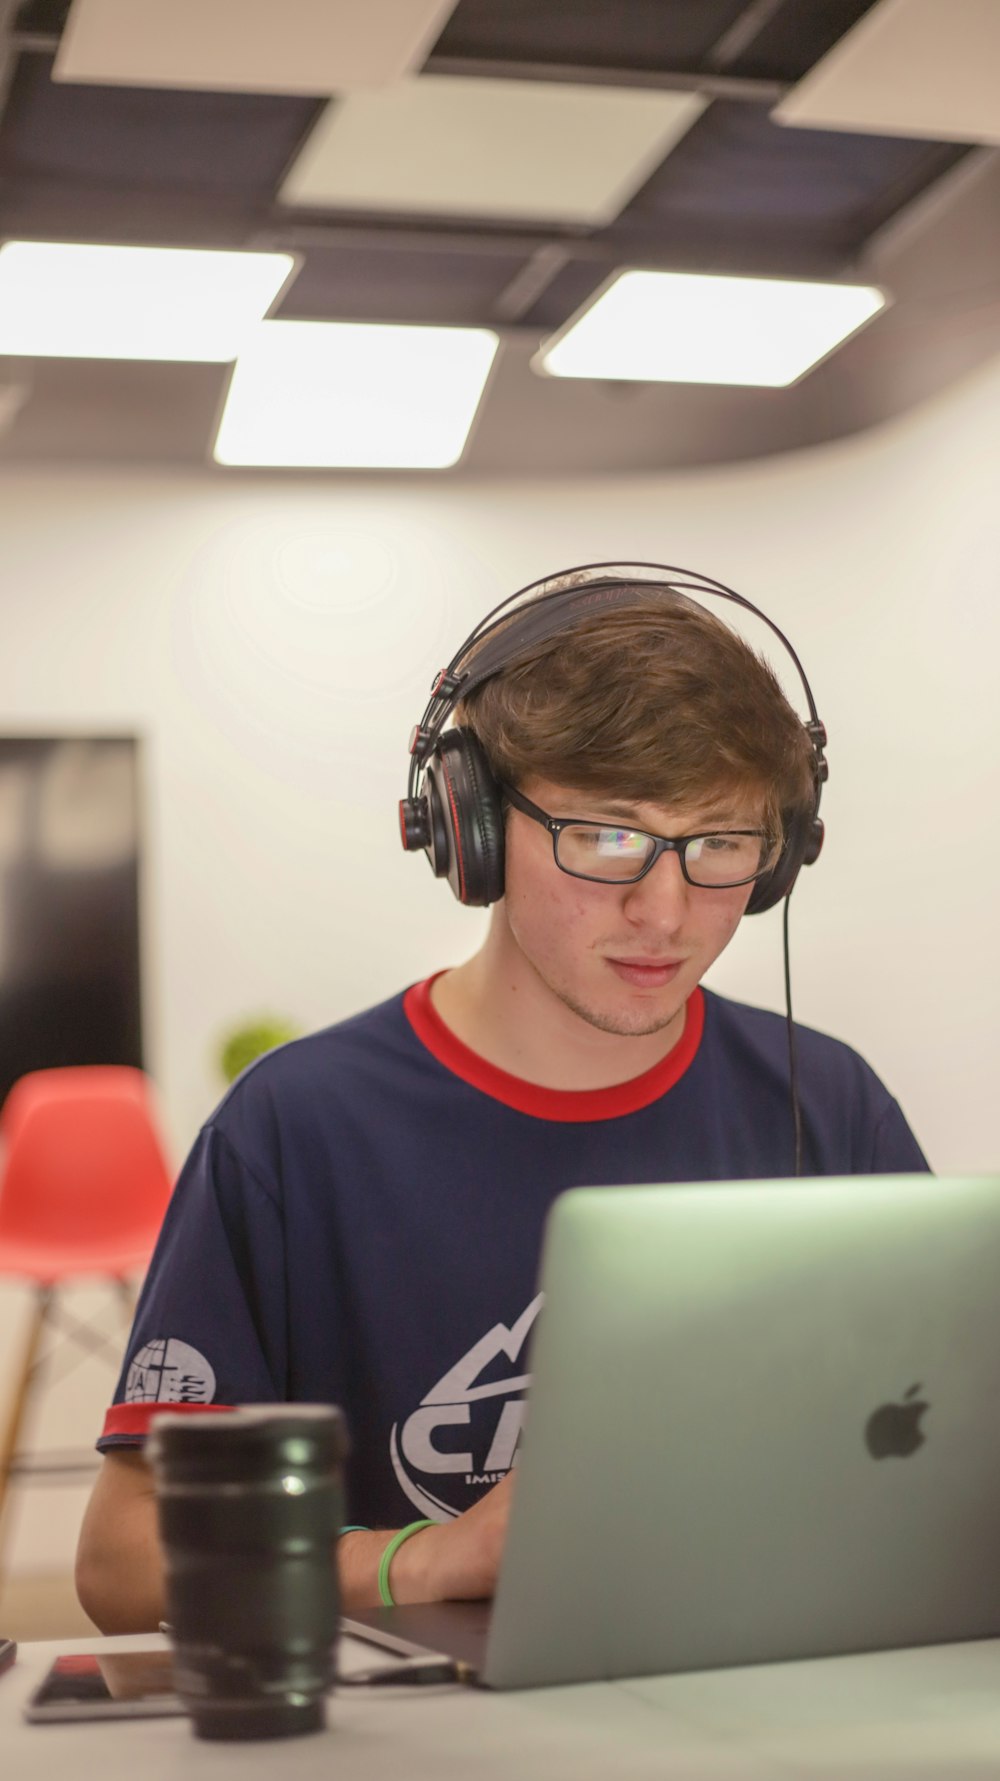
<point>764,1424</point>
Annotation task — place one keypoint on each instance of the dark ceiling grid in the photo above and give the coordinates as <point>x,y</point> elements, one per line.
<point>42,17</point>
<point>784,42</point>
<point>772,41</point>
<point>588,33</point>
<point>151,138</point>
<point>736,175</point>
<point>130,411</point>
<point>371,282</point>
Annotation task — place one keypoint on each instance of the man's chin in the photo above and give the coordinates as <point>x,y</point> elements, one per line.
<point>636,1022</point>
<point>635,1027</point>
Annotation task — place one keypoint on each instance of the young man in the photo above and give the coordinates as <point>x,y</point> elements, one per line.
<point>360,1220</point>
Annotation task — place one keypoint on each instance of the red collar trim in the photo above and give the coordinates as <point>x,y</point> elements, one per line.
<point>569,1105</point>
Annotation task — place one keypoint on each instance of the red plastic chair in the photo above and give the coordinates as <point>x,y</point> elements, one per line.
<point>84,1184</point>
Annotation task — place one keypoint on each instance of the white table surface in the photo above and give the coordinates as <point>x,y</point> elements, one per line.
<point>931,1714</point>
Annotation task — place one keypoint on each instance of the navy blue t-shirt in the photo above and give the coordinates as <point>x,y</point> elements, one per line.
<point>360,1223</point>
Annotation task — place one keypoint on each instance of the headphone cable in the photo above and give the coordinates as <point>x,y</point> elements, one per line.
<point>793,1070</point>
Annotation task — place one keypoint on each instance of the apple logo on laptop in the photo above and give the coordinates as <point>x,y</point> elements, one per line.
<point>893,1430</point>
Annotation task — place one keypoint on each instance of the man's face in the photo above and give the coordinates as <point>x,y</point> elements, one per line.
<point>587,941</point>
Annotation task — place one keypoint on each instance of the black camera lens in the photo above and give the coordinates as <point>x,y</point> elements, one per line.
<point>250,1503</point>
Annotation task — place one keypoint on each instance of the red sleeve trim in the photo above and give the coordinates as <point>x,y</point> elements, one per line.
<point>134,1419</point>
<point>569,1105</point>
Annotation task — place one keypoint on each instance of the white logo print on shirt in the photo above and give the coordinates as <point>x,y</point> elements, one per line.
<point>492,1448</point>
<point>169,1371</point>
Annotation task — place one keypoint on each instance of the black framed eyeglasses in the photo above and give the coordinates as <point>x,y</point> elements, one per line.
<point>610,855</point>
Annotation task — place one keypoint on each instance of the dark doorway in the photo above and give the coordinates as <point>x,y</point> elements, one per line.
<point>69,903</point>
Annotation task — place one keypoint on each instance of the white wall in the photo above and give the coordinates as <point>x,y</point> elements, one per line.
<point>273,641</point>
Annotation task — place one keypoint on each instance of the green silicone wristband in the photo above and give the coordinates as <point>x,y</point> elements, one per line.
<point>385,1593</point>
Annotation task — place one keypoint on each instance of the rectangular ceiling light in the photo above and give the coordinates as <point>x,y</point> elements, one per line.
<point>247,46</point>
<point>678,327</point>
<point>328,395</point>
<point>74,301</point>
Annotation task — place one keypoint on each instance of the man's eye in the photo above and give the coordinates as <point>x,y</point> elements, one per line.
<point>723,843</point>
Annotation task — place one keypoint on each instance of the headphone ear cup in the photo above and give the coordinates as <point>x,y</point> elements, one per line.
<point>803,844</point>
<point>467,832</point>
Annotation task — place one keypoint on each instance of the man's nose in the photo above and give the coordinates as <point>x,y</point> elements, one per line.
<point>662,896</point>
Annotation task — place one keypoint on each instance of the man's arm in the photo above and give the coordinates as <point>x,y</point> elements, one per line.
<point>119,1566</point>
<point>222,1234</point>
<point>119,1563</point>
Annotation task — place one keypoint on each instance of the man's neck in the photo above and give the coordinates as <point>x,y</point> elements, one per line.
<point>503,1011</point>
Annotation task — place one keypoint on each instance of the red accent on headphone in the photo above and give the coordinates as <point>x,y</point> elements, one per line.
<point>455,829</point>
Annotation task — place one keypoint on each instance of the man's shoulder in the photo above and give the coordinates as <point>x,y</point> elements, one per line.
<point>374,1028</point>
<point>751,1032</point>
<point>344,1063</point>
<point>853,1123</point>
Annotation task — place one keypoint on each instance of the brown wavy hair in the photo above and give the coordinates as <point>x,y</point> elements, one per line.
<point>658,702</point>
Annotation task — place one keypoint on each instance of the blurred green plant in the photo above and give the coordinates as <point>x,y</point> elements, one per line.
<point>240,1047</point>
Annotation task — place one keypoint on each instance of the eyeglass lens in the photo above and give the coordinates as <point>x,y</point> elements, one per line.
<point>620,854</point>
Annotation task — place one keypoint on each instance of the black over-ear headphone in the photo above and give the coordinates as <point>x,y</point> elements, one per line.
<point>453,808</point>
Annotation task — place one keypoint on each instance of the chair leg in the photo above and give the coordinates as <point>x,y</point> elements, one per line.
<point>22,1392</point>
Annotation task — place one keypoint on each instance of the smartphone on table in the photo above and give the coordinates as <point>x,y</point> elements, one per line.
<point>109,1685</point>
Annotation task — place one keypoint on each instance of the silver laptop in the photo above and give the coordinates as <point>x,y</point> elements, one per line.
<point>764,1424</point>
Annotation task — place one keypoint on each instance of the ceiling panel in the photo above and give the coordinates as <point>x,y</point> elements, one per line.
<point>488,148</point>
<point>910,68</point>
<point>251,46</point>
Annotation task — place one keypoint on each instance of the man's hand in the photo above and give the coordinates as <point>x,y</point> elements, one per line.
<point>459,1560</point>
<point>456,1561</point>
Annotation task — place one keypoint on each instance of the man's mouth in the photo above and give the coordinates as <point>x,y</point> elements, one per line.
<point>646,973</point>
